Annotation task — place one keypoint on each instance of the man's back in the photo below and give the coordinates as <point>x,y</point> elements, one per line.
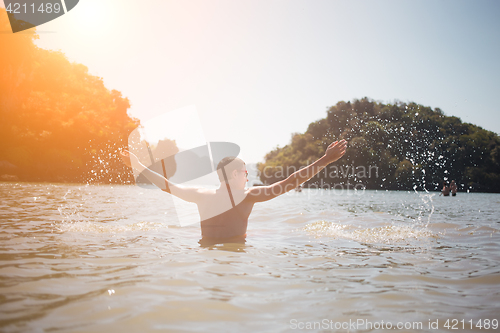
<point>224,214</point>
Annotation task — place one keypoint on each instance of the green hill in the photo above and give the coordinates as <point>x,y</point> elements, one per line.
<point>392,146</point>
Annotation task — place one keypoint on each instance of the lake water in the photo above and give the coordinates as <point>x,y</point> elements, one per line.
<point>78,258</point>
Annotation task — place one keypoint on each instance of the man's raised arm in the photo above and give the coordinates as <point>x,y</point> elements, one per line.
<point>184,193</point>
<point>263,193</point>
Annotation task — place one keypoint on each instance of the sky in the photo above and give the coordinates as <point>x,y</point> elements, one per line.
<point>258,71</point>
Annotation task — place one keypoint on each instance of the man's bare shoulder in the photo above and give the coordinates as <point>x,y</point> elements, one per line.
<point>197,189</point>
<point>259,193</point>
<point>206,191</point>
<point>256,189</point>
<point>191,194</point>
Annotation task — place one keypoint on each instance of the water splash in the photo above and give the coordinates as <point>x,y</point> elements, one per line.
<point>427,205</point>
<point>387,234</point>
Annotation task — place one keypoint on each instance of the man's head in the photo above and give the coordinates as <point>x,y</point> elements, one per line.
<point>232,167</point>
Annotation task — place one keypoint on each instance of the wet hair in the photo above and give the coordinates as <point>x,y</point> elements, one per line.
<point>229,164</point>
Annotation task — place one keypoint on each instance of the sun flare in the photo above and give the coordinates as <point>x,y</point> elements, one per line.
<point>92,18</point>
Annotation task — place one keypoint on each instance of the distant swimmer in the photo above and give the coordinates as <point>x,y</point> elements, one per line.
<point>224,212</point>
<point>453,188</point>
<point>446,190</point>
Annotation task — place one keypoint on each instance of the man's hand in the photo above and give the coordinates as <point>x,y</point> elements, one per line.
<point>125,155</point>
<point>335,150</point>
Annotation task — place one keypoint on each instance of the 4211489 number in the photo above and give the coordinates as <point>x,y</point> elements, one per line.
<point>48,8</point>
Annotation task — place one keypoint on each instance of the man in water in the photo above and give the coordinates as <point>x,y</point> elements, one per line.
<point>453,188</point>
<point>224,212</point>
<point>446,190</point>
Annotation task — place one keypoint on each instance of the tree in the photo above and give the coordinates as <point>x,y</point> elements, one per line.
<point>59,123</point>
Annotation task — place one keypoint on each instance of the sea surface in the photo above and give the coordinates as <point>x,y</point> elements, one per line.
<point>82,258</point>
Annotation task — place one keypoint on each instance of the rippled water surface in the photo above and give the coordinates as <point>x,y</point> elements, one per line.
<point>78,258</point>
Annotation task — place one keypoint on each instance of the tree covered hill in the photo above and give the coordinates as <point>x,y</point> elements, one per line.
<point>58,122</point>
<point>392,146</point>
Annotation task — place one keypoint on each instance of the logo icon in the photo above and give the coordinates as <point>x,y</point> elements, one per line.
<point>28,14</point>
<point>173,146</point>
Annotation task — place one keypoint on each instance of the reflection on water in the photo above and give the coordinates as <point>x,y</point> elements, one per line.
<point>97,258</point>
